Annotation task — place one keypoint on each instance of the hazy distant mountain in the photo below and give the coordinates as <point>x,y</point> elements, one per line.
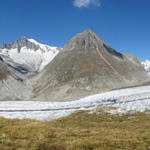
<point>87,65</point>
<point>146,65</point>
<point>28,53</point>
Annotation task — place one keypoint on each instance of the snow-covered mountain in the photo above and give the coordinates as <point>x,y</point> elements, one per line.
<point>146,65</point>
<point>30,53</point>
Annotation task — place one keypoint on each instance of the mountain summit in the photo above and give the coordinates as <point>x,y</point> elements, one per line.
<point>87,65</point>
<point>35,56</point>
<point>85,40</point>
<point>88,40</point>
<point>22,42</point>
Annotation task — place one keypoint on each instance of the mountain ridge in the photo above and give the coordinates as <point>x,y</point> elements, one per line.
<point>86,66</point>
<point>30,53</point>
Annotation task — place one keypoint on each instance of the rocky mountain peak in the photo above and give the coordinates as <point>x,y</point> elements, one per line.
<point>22,42</point>
<point>88,33</point>
<point>29,53</point>
<point>89,41</point>
<point>87,65</point>
<point>86,40</point>
<point>23,37</point>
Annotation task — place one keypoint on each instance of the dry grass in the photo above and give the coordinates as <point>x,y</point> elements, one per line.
<point>79,131</point>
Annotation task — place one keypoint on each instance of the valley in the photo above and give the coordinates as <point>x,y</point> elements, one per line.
<point>130,99</point>
<point>74,75</point>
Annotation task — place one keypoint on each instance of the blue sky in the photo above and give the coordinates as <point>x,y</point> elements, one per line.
<point>123,24</point>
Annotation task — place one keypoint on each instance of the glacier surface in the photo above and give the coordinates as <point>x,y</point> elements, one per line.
<point>137,99</point>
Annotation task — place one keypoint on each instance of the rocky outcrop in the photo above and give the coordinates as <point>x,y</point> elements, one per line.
<point>13,84</point>
<point>4,72</point>
<point>22,42</point>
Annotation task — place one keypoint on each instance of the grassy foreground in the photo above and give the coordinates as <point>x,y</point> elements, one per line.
<point>79,131</point>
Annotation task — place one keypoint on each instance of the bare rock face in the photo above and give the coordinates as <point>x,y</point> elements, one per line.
<point>30,55</point>
<point>19,61</point>
<point>4,72</point>
<point>22,42</point>
<point>12,83</point>
<point>87,65</point>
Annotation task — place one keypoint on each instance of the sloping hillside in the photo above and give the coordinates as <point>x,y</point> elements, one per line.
<point>12,84</point>
<point>83,130</point>
<point>87,65</point>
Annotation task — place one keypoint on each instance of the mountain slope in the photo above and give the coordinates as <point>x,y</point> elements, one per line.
<point>87,65</point>
<point>4,72</point>
<point>29,53</point>
<point>13,85</point>
<point>146,65</point>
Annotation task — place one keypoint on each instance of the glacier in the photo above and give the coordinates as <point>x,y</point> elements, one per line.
<point>136,99</point>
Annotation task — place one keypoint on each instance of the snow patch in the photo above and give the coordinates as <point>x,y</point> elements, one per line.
<point>42,46</point>
<point>146,65</point>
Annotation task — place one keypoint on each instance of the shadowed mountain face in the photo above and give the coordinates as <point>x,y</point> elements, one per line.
<point>12,83</point>
<point>4,72</point>
<point>87,65</point>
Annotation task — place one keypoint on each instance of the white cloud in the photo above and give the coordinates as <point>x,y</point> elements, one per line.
<point>86,3</point>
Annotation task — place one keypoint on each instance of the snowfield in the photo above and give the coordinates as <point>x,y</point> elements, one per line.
<point>146,65</point>
<point>34,59</point>
<point>137,99</point>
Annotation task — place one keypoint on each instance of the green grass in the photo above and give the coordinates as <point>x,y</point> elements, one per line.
<point>79,131</point>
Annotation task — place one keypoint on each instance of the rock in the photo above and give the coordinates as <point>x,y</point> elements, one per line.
<point>87,61</point>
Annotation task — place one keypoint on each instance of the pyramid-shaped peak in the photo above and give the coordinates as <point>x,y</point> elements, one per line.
<point>22,41</point>
<point>88,31</point>
<point>23,38</point>
<point>86,39</point>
